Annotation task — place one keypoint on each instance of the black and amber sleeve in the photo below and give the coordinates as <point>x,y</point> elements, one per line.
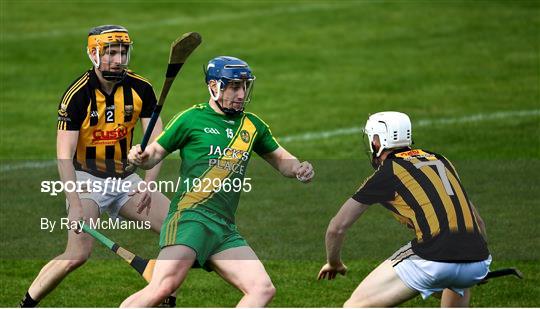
<point>148,101</point>
<point>378,188</point>
<point>72,111</point>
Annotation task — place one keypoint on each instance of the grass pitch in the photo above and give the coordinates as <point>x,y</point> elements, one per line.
<point>321,67</point>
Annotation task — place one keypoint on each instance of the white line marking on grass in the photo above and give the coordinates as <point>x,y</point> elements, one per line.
<point>27,165</point>
<point>310,136</point>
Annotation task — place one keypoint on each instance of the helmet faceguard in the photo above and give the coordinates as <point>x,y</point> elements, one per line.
<point>233,72</point>
<point>110,42</point>
<point>393,130</point>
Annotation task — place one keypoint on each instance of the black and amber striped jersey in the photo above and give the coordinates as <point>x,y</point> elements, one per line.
<point>423,190</point>
<point>105,122</point>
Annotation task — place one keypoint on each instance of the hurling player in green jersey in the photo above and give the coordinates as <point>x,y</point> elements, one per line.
<point>216,141</point>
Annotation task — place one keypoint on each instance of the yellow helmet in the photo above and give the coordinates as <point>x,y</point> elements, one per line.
<point>101,37</point>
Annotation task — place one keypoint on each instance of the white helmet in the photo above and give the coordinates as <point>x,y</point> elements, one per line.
<point>393,129</point>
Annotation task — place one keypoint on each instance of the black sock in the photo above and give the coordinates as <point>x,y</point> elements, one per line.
<point>169,302</point>
<point>28,302</point>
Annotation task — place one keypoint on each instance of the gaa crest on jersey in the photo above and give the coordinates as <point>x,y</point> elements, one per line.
<point>244,135</point>
<point>128,110</point>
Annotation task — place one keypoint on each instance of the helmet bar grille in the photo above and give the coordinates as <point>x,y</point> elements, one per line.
<point>235,66</point>
<point>114,30</point>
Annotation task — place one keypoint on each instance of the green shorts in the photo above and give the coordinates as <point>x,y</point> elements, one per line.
<point>204,231</point>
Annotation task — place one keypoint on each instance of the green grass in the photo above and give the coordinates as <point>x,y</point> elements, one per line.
<point>320,66</point>
<point>297,286</point>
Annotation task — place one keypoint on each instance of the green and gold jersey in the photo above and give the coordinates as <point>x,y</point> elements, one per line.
<point>215,150</point>
<point>423,191</point>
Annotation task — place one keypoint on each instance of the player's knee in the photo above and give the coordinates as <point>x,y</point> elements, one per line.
<point>263,289</point>
<point>268,290</point>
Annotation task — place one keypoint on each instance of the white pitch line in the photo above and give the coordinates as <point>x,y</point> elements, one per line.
<point>310,136</point>
<point>27,165</point>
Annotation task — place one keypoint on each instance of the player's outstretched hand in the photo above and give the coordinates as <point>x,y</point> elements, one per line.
<point>145,200</point>
<point>304,172</point>
<point>330,271</point>
<point>136,156</point>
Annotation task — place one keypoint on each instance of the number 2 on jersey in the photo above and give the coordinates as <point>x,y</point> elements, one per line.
<point>109,116</point>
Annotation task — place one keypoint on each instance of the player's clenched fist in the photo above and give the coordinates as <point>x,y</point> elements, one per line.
<point>304,171</point>
<point>136,156</point>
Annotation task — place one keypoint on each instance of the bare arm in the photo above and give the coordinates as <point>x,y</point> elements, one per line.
<point>342,221</point>
<point>152,174</point>
<point>335,235</point>
<point>288,165</point>
<point>66,145</point>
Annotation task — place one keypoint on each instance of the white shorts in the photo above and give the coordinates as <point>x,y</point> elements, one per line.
<point>428,277</point>
<point>110,199</point>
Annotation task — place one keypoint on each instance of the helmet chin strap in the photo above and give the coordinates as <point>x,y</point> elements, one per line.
<point>229,111</point>
<point>114,76</point>
<point>375,161</point>
<point>226,111</point>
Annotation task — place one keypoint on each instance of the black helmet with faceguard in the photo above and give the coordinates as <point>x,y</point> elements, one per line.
<point>111,41</point>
